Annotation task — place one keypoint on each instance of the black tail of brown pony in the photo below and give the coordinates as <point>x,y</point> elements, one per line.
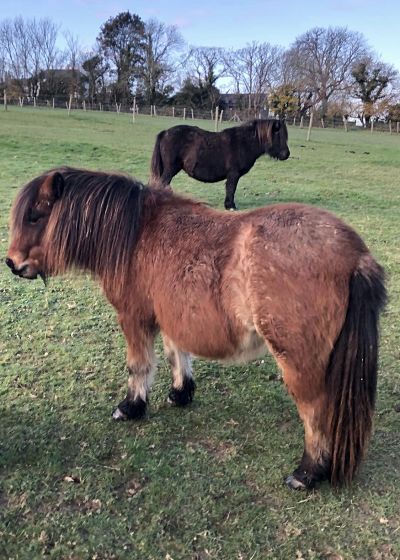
<point>156,165</point>
<point>352,371</point>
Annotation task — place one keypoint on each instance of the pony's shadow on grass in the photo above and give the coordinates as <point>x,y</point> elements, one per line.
<point>50,438</point>
<point>381,466</point>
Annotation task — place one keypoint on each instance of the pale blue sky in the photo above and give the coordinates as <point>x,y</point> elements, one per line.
<point>229,23</point>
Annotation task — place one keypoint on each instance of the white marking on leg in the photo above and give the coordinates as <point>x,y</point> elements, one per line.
<point>141,378</point>
<point>181,363</point>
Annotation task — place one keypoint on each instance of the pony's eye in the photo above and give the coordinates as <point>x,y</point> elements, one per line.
<point>34,217</point>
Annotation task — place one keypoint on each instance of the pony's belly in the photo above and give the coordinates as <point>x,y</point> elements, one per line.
<point>205,176</point>
<point>251,347</point>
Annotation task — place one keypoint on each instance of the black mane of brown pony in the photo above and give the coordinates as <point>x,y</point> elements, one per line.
<point>93,226</point>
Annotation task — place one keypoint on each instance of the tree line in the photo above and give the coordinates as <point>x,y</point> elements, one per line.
<point>330,71</point>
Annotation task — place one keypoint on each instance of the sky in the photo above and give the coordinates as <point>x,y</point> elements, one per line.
<point>228,23</point>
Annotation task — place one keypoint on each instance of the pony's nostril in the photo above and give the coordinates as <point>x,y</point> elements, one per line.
<point>10,263</point>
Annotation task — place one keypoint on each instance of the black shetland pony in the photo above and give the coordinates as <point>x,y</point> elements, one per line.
<point>214,156</point>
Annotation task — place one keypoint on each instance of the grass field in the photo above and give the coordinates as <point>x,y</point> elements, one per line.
<point>205,482</point>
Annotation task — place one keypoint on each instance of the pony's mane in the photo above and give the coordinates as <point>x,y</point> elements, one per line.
<point>95,224</point>
<point>23,203</point>
<point>262,129</point>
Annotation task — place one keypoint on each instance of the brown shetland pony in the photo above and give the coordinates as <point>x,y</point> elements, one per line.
<point>213,156</point>
<point>289,278</point>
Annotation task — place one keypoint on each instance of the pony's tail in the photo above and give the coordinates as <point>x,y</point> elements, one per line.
<point>156,166</point>
<point>352,371</point>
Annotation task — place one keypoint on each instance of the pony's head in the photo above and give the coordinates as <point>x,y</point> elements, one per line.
<point>273,135</point>
<point>29,220</point>
<point>76,218</point>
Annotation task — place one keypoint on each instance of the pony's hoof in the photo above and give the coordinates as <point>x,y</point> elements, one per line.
<point>130,410</point>
<point>118,415</point>
<point>294,483</point>
<point>183,396</point>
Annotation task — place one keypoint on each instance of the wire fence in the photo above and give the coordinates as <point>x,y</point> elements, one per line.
<point>189,113</point>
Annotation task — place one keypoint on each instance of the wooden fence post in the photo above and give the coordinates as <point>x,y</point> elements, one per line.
<point>398,127</point>
<point>192,114</point>
<point>390,126</point>
<point>216,118</point>
<point>301,122</point>
<point>310,125</point>
<point>53,102</point>
<point>345,123</point>
<point>173,112</point>
<point>372,126</point>
<point>134,109</point>
<point>184,113</point>
<point>220,115</point>
<point>5,100</point>
<point>69,104</point>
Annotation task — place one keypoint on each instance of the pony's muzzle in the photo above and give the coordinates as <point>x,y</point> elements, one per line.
<point>10,263</point>
<point>23,271</point>
<point>284,154</point>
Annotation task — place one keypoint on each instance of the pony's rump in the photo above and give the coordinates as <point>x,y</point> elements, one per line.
<point>156,165</point>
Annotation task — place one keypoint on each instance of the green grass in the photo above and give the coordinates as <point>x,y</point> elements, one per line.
<point>203,482</point>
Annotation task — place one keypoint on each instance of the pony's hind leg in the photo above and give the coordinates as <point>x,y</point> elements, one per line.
<point>141,366</point>
<point>311,400</point>
<point>230,189</point>
<point>183,385</point>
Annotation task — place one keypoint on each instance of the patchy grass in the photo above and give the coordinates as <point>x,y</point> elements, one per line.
<point>204,482</point>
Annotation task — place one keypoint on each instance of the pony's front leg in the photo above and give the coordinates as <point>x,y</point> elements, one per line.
<point>141,365</point>
<point>230,189</point>
<point>183,385</point>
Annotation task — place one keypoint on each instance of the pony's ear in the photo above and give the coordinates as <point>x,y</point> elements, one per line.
<point>276,125</point>
<point>52,187</point>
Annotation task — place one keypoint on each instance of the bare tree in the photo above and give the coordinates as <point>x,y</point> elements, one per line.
<point>292,79</point>
<point>45,54</point>
<point>47,34</point>
<point>162,42</point>
<point>3,68</point>
<point>73,58</point>
<point>28,47</point>
<point>206,66</point>
<point>322,60</point>
<point>73,51</point>
<point>15,46</point>
<point>254,69</point>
